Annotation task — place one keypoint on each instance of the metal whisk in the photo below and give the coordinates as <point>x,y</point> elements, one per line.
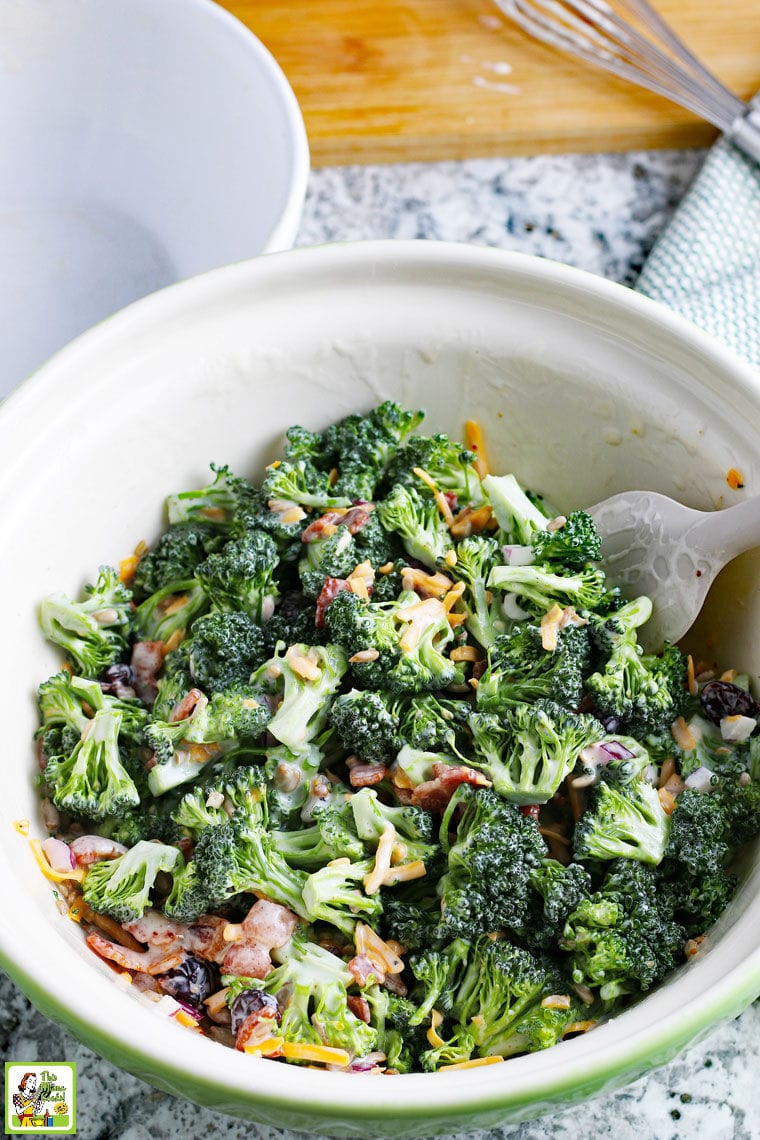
<point>655,58</point>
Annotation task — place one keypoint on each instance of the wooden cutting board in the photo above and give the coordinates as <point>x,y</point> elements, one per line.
<point>407,80</point>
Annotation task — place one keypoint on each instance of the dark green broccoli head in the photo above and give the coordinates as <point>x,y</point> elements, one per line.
<point>450,465</point>
<point>700,837</point>
<point>241,576</point>
<point>644,693</point>
<point>622,939</point>
<point>435,724</point>
<point>293,622</point>
<point>539,587</point>
<point>558,891</point>
<point>626,821</point>
<point>175,556</point>
<point>362,446</point>
<point>223,650</point>
<point>333,556</point>
<point>571,545</point>
<point>331,836</point>
<point>520,669</point>
<point>495,849</point>
<point>238,856</point>
<point>367,724</point>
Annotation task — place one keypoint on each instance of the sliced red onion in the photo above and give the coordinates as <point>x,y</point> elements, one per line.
<point>190,1010</point>
<point>735,729</point>
<point>59,855</point>
<point>700,780</point>
<point>366,1064</point>
<point>604,751</point>
<point>518,555</point>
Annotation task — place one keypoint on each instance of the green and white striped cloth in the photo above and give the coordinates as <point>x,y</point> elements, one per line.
<point>706,265</point>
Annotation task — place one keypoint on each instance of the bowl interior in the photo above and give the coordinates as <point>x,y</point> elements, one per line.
<point>140,143</point>
<point>582,388</point>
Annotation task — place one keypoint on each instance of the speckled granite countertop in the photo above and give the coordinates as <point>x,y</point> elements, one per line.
<point>602,213</point>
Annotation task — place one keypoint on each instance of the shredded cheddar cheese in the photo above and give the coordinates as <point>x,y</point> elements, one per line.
<point>473,1063</point>
<point>440,499</point>
<point>55,876</point>
<point>324,1054</point>
<point>473,437</point>
<point>374,880</point>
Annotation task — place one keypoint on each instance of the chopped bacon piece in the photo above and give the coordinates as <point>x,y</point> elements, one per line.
<point>359,1006</point>
<point>395,985</point>
<point>434,795</point>
<point>353,520</point>
<point>330,591</point>
<point>269,923</point>
<point>147,659</point>
<point>157,960</point>
<point>362,970</point>
<point>248,960</point>
<point>365,775</point>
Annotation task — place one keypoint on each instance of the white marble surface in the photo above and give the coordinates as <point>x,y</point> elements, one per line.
<point>602,213</point>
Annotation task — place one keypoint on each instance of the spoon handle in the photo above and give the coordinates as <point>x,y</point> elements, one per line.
<point>725,534</point>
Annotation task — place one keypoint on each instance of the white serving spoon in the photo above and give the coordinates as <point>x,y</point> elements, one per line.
<point>655,546</point>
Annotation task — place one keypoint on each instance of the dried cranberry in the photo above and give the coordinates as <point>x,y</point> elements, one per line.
<point>192,981</point>
<point>250,1002</point>
<point>611,723</point>
<point>720,699</point>
<point>118,680</point>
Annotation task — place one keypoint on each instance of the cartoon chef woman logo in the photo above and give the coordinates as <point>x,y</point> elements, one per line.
<point>29,1100</point>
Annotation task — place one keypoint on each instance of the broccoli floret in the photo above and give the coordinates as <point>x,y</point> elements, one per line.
<point>571,545</point>
<point>189,897</point>
<point>216,726</point>
<point>541,587</point>
<point>310,985</point>
<point>696,901</point>
<point>367,724</point>
<point>294,622</point>
<point>622,939</point>
<point>518,516</point>
<point>362,446</point>
<point>520,669</point>
<point>331,836</point>
<point>303,681</point>
<point>170,611</point>
<point>626,821</point>
<point>93,632</point>
<point>644,692</point>
<point>375,545</point>
<point>559,890</point>
<point>60,704</point>
<point>408,635</point>
<point>455,1051</point>
<point>121,887</point>
<point>476,558</point>
<point>334,894</point>
<point>417,522</point>
<point>223,650</point>
<point>741,805</point>
<point>500,986</point>
<point>412,915</point>
<point>451,466</point>
<point>241,576</point>
<point>92,780</point>
<point>529,752</point>
<point>175,557</point>
<point>239,793</point>
<point>241,856</point>
<point>437,974</point>
<point>486,886</point>
<point>216,504</point>
<point>413,826</point>
<point>290,774</point>
<point>699,836</point>
<point>332,556</point>
<point>143,822</point>
<point>300,483</point>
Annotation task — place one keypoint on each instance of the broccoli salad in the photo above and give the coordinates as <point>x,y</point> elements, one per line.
<point>362,766</point>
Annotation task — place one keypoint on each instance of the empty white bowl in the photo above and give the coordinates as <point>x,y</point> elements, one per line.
<point>141,142</point>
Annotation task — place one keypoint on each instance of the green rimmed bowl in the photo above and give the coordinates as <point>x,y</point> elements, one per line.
<point>583,389</point>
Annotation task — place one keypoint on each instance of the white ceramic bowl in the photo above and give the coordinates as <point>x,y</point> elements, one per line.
<point>141,142</point>
<point>584,389</point>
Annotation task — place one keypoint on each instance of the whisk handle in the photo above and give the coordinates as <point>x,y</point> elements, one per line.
<point>744,132</point>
